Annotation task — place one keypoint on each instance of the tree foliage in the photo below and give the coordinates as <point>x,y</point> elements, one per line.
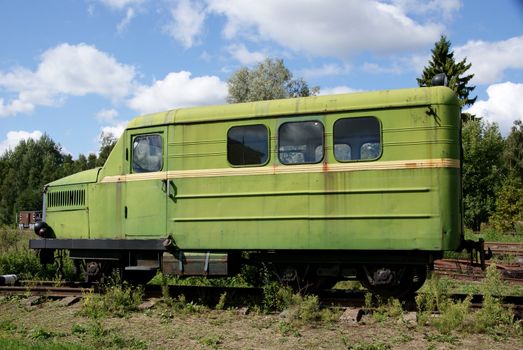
<point>442,61</point>
<point>482,171</point>
<point>30,165</point>
<point>509,198</point>
<point>268,80</point>
<point>509,206</point>
<point>513,152</point>
<point>25,170</point>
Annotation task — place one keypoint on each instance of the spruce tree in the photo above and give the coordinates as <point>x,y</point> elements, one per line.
<point>442,61</point>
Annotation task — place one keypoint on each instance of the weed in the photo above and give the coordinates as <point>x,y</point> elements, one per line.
<point>302,310</point>
<point>403,338</point>
<point>28,344</point>
<point>430,298</point>
<point>493,315</point>
<point>276,297</point>
<point>211,341</point>
<point>118,300</point>
<point>442,338</point>
<point>382,310</point>
<point>391,308</point>
<point>330,316</point>
<point>40,334</point>
<point>493,283</point>
<point>368,346</point>
<point>97,330</point>
<point>221,302</point>
<point>308,307</point>
<point>78,329</point>
<point>125,343</point>
<point>368,301</point>
<point>180,305</point>
<point>453,315</point>
<point>349,285</point>
<point>286,329</point>
<point>8,326</point>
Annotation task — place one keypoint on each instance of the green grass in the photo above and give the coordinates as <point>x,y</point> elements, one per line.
<point>27,344</point>
<point>16,258</point>
<point>489,234</point>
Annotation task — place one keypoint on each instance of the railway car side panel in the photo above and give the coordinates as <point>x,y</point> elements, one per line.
<point>396,201</point>
<point>106,199</point>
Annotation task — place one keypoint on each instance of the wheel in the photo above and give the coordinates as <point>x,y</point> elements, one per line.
<point>395,282</point>
<point>100,270</point>
<point>302,278</point>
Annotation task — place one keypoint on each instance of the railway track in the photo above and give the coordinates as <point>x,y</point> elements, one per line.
<point>235,296</point>
<point>463,269</point>
<point>505,248</point>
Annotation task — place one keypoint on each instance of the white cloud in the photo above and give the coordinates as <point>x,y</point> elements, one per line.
<point>379,69</point>
<point>125,22</point>
<point>244,56</point>
<point>65,70</point>
<point>490,59</point>
<point>187,22</point>
<point>130,7</point>
<point>503,106</point>
<point>445,8</point>
<point>116,130</point>
<point>107,115</point>
<point>179,90</point>
<point>339,28</point>
<point>120,4</point>
<point>328,69</point>
<point>14,138</point>
<point>338,90</point>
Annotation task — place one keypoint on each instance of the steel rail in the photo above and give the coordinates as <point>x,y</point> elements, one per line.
<point>47,291</point>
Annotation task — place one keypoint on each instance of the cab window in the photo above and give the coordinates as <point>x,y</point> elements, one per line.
<point>147,153</point>
<point>300,142</point>
<point>357,139</point>
<point>248,145</point>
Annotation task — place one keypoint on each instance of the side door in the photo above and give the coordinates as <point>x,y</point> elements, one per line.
<point>146,186</point>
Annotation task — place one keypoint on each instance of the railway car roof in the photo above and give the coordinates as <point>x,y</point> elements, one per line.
<point>306,105</point>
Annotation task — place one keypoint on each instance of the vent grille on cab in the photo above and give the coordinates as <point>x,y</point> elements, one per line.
<point>69,198</point>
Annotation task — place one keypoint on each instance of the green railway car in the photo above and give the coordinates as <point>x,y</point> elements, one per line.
<point>364,185</point>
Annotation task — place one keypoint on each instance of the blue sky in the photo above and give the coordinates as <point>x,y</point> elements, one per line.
<point>76,68</point>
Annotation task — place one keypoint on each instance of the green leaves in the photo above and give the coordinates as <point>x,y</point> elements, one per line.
<point>482,149</point>
<point>442,61</point>
<point>268,80</point>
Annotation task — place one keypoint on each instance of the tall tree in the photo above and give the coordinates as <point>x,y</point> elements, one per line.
<point>442,61</point>
<point>482,171</point>
<point>268,80</point>
<point>107,144</point>
<point>509,198</point>
<point>25,170</point>
<point>513,152</point>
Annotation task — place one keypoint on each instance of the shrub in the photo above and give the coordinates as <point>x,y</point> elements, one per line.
<point>509,207</point>
<point>431,298</point>
<point>181,306</point>
<point>493,315</point>
<point>221,303</point>
<point>118,300</point>
<point>453,315</point>
<point>276,297</point>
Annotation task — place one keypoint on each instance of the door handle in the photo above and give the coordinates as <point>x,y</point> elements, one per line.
<point>174,190</point>
<point>166,187</point>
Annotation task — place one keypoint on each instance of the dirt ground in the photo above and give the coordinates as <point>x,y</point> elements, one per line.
<point>161,328</point>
